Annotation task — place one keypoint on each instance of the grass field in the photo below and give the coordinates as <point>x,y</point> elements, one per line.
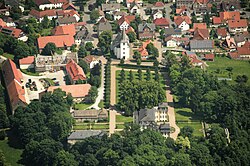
<point>120,118</point>
<point>93,126</point>
<point>144,75</point>
<point>219,66</point>
<point>12,155</point>
<point>82,106</point>
<point>185,117</point>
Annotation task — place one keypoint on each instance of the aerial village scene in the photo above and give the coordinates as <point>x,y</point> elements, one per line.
<point>125,82</point>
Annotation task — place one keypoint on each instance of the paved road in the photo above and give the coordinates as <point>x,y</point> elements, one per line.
<point>171,112</point>
<point>101,89</point>
<point>112,121</point>
<point>168,10</point>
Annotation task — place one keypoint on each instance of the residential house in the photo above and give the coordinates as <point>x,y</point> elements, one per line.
<point>182,22</point>
<point>209,57</point>
<point>14,32</point>
<point>66,20</point>
<point>200,8</point>
<point>201,34</point>
<point>129,3</point>
<point>171,41</point>
<point>221,33</point>
<point>201,46</point>
<point>13,81</point>
<point>195,61</point>
<point>103,26</point>
<point>237,26</point>
<point>68,13</point>
<point>121,46</point>
<point>199,26</point>
<point>174,32</point>
<point>123,23</point>
<point>61,41</point>
<point>146,30</point>
<point>242,53</point>
<point>9,21</point>
<point>135,9</point>
<point>111,8</point>
<point>241,39</point>
<point>157,14</point>
<point>64,30</point>
<point>2,23</point>
<point>187,3</point>
<point>230,43</point>
<point>152,118</point>
<point>78,91</point>
<point>54,63</point>
<point>216,21</point>
<point>229,15</point>
<point>49,4</point>
<point>27,62</point>
<point>143,50</point>
<point>68,6</point>
<point>83,35</point>
<point>80,135</point>
<point>75,72</point>
<point>161,22</point>
<point>183,11</point>
<point>158,6</point>
<point>91,60</point>
<point>118,14</point>
<point>92,115</point>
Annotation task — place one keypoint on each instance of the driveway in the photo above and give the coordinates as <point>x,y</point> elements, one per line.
<point>101,88</point>
<point>112,121</point>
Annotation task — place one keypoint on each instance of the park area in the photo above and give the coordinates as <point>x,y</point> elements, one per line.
<point>221,67</point>
<point>135,74</point>
<point>185,117</point>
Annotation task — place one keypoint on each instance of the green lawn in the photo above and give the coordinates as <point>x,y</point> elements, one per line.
<point>185,117</point>
<point>95,126</point>
<point>101,104</point>
<point>82,106</point>
<point>9,56</point>
<point>144,75</point>
<point>11,154</point>
<point>218,67</point>
<point>120,126</point>
<point>120,118</point>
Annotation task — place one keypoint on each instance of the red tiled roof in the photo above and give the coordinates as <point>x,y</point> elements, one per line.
<point>222,32</point>
<point>131,1</point>
<point>130,18</point>
<point>27,60</point>
<point>200,26</point>
<point>161,22</point>
<point>67,13</point>
<point>122,20</point>
<point>143,51</point>
<point>60,41</point>
<point>209,56</point>
<point>77,91</point>
<point>2,23</point>
<point>15,32</point>
<point>247,44</point>
<point>180,10</point>
<point>217,20</point>
<point>64,30</point>
<point>130,29</point>
<point>201,34</point>
<point>243,51</point>
<point>179,19</point>
<point>234,55</point>
<point>159,4</point>
<point>230,15</point>
<point>89,58</point>
<point>66,5</point>
<point>75,71</point>
<point>12,77</point>
<point>237,23</point>
<point>41,14</point>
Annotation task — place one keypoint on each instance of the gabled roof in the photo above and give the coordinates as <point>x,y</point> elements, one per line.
<point>201,44</point>
<point>243,50</point>
<point>230,42</point>
<point>15,32</point>
<point>64,30</point>
<point>111,7</point>
<point>59,40</point>
<point>80,135</point>
<point>27,60</point>
<point>67,20</point>
<point>41,14</point>
<point>104,26</point>
<point>209,56</point>
<point>217,20</point>
<point>130,18</point>
<point>172,31</point>
<point>89,59</point>
<point>143,51</point>
<point>230,15</point>
<point>122,20</point>
<point>237,23</point>
<point>201,34</point>
<point>67,5</point>
<point>12,77</point>
<point>77,91</point>
<point>161,22</point>
<point>200,26</point>
<point>2,23</point>
<point>75,71</point>
<point>159,4</point>
<point>181,9</point>
<point>179,19</point>
<point>142,26</point>
<point>221,32</point>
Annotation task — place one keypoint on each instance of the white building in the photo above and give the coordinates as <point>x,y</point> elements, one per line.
<point>121,46</point>
<point>157,14</point>
<point>49,4</point>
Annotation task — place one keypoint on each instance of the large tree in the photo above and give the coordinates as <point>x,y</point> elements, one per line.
<point>49,49</point>
<point>105,39</point>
